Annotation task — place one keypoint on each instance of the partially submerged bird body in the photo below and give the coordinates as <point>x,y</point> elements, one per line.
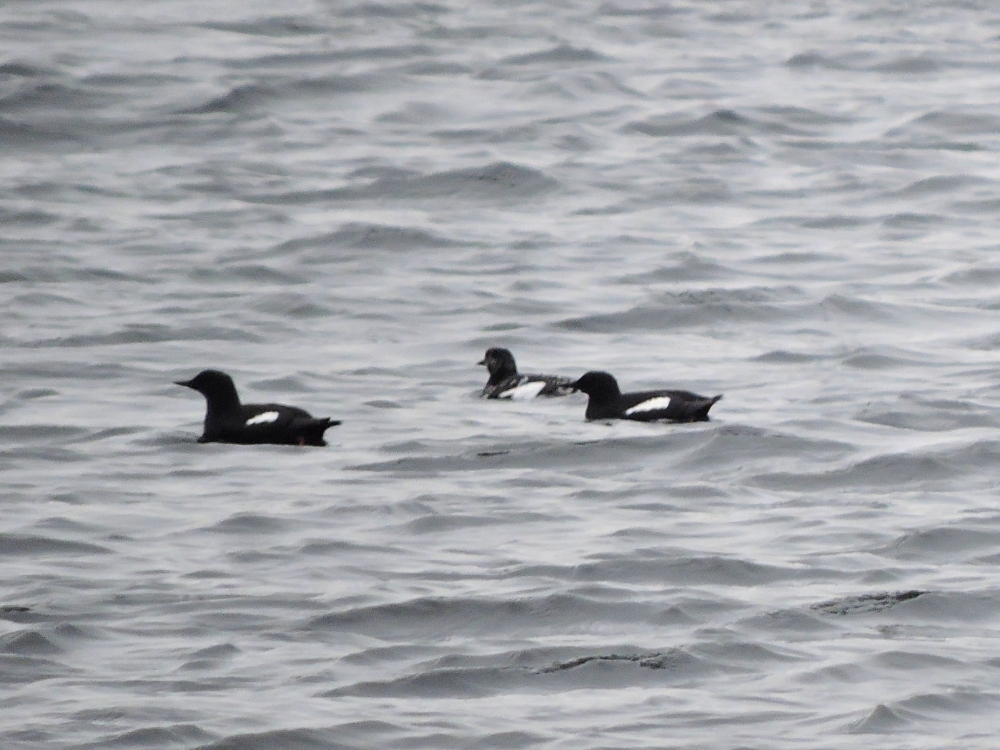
<point>506,382</point>
<point>229,421</point>
<point>608,402</point>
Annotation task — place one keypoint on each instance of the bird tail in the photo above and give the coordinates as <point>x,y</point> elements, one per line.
<point>312,433</point>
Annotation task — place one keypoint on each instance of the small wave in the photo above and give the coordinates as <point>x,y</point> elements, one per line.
<point>914,413</point>
<point>150,333</point>
<point>913,65</point>
<point>28,544</point>
<point>466,614</point>
<point>28,643</point>
<point>496,181</point>
<point>238,99</point>
<point>669,311</point>
<point>272,26</point>
<point>248,523</point>
<point>467,676</point>
<point>881,720</point>
<point>722,122</point>
<point>865,604</point>
<point>380,236</point>
<point>944,544</point>
<point>689,267</point>
<point>561,54</point>
<point>890,472</point>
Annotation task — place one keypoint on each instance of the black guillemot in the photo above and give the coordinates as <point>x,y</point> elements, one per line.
<point>506,382</point>
<point>229,421</point>
<point>608,402</point>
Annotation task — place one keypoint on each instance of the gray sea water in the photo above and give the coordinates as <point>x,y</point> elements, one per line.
<point>343,204</point>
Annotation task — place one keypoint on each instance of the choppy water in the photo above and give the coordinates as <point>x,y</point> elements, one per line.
<point>343,204</point>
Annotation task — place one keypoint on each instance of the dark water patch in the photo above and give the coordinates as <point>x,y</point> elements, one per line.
<point>28,643</point>
<point>436,523</point>
<point>886,472</point>
<point>108,432</point>
<point>68,273</point>
<point>238,99</point>
<point>415,10</point>
<point>865,604</point>
<point>150,333</point>
<point>443,617</point>
<point>561,54</point>
<point>18,669</point>
<point>31,545</point>
<point>272,26</point>
<point>950,123</point>
<point>374,236</point>
<point>672,310</point>
<point>654,660</point>
<point>210,658</point>
<point>26,217</point>
<point>979,275</point>
<point>953,702</point>
<point>813,59</point>
<point>835,221</point>
<point>31,432</point>
<point>689,267</point>
<point>914,413</point>
<point>943,544</point>
<point>221,651</point>
<point>21,70</point>
<point>909,660</point>
<point>643,10</point>
<point>499,181</point>
<point>174,735</point>
<point>49,96</point>
<point>744,654</point>
<point>911,220</point>
<point>986,343</point>
<point>785,623</point>
<point>256,272</point>
<point>678,569</point>
<point>882,720</point>
<point>254,97</point>
<point>469,677</point>
<point>799,257</point>
<point>383,404</point>
<point>722,122</point>
<point>943,184</point>
<point>280,739</point>
<point>882,358</point>
<point>913,65</point>
<point>431,68</point>
<point>805,116</point>
<point>292,306</point>
<point>40,452</point>
<point>740,444</point>
<point>296,62</point>
<point>340,547</point>
<point>780,356</point>
<point>288,384</point>
<point>667,444</point>
<point>857,308</point>
<point>248,523</point>
<point>941,607</point>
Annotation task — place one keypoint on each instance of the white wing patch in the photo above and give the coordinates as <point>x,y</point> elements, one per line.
<point>524,391</point>
<point>650,404</point>
<point>265,417</point>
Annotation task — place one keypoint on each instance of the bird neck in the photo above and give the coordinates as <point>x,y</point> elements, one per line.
<point>223,402</point>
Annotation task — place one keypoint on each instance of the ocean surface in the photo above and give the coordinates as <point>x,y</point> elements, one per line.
<point>343,204</point>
